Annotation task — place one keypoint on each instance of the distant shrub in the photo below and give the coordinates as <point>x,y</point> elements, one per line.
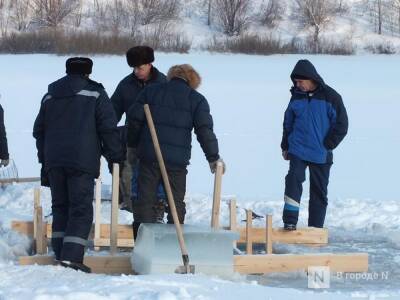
<point>59,42</point>
<point>250,44</point>
<point>325,46</point>
<point>381,48</point>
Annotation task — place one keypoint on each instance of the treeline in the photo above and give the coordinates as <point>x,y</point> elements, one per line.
<point>112,26</point>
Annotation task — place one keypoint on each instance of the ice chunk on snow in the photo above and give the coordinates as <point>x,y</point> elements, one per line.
<point>157,249</point>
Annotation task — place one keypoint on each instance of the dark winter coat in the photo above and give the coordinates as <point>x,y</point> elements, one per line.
<point>315,122</point>
<point>3,137</point>
<point>177,109</point>
<point>76,124</point>
<point>128,90</point>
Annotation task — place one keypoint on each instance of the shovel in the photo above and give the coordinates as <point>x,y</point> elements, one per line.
<point>186,268</point>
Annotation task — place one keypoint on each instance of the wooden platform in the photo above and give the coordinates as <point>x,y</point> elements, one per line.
<point>99,264</point>
<point>316,236</point>
<point>243,264</point>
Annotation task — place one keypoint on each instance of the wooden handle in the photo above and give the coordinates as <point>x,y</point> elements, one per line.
<point>171,201</point>
<point>114,209</point>
<point>217,196</point>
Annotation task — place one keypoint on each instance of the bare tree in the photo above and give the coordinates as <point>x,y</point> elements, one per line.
<point>396,8</point>
<point>271,12</point>
<point>315,13</point>
<point>380,12</point>
<point>233,15</point>
<point>20,14</point>
<point>4,16</point>
<point>153,11</point>
<point>209,6</point>
<point>51,13</point>
<point>116,15</point>
<point>78,15</point>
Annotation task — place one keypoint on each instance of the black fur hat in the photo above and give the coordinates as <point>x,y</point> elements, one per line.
<point>79,65</point>
<point>139,55</point>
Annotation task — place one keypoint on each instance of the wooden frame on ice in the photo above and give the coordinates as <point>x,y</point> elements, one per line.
<point>243,264</point>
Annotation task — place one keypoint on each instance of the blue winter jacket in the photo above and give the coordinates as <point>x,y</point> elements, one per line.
<point>315,122</point>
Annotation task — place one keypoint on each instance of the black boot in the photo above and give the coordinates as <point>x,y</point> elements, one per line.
<point>76,266</point>
<point>289,227</point>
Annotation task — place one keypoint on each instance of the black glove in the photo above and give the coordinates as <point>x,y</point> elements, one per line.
<point>213,165</point>
<point>110,167</point>
<point>44,178</point>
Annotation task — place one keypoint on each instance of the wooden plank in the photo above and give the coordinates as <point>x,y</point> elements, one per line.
<point>19,180</point>
<point>249,236</point>
<point>124,231</point>
<point>217,196</point>
<point>232,215</point>
<point>260,264</point>
<point>36,204</point>
<point>98,264</point>
<point>26,227</point>
<point>114,209</point>
<point>268,244</point>
<point>97,219</point>
<point>244,264</point>
<point>299,236</point>
<point>41,240</point>
<point>121,243</point>
<point>307,236</point>
<point>23,227</point>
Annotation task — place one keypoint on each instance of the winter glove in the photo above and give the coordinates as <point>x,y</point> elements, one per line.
<point>4,162</point>
<point>44,178</point>
<point>213,165</point>
<point>110,167</point>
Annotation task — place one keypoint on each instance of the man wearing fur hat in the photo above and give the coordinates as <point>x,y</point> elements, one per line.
<point>315,123</point>
<point>177,109</point>
<point>76,124</point>
<point>141,59</point>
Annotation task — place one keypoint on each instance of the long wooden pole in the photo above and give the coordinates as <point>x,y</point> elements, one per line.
<point>97,220</point>
<point>171,201</point>
<point>217,196</point>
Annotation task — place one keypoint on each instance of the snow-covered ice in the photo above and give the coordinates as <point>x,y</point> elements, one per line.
<point>247,95</point>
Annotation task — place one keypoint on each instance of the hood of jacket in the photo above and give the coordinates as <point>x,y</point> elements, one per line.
<point>304,68</point>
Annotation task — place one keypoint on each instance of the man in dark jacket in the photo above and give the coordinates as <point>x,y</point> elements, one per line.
<point>76,124</point>
<point>315,123</point>
<point>140,58</point>
<point>4,157</point>
<point>177,108</point>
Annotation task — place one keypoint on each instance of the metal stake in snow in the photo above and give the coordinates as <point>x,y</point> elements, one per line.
<point>186,268</point>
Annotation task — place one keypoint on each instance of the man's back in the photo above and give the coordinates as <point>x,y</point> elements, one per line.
<point>75,116</point>
<point>177,109</point>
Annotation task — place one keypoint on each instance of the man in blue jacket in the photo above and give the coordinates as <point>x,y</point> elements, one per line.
<point>315,123</point>
<point>76,124</point>
<point>177,108</point>
<point>141,59</point>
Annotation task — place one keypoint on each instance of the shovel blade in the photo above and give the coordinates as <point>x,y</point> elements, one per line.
<point>188,269</point>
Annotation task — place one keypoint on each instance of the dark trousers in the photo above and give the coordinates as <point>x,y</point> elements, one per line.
<point>145,209</point>
<point>319,179</point>
<point>72,207</point>
<point>125,183</point>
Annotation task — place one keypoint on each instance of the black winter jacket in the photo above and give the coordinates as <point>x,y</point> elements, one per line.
<point>76,124</point>
<point>128,90</point>
<point>3,137</point>
<point>177,109</point>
